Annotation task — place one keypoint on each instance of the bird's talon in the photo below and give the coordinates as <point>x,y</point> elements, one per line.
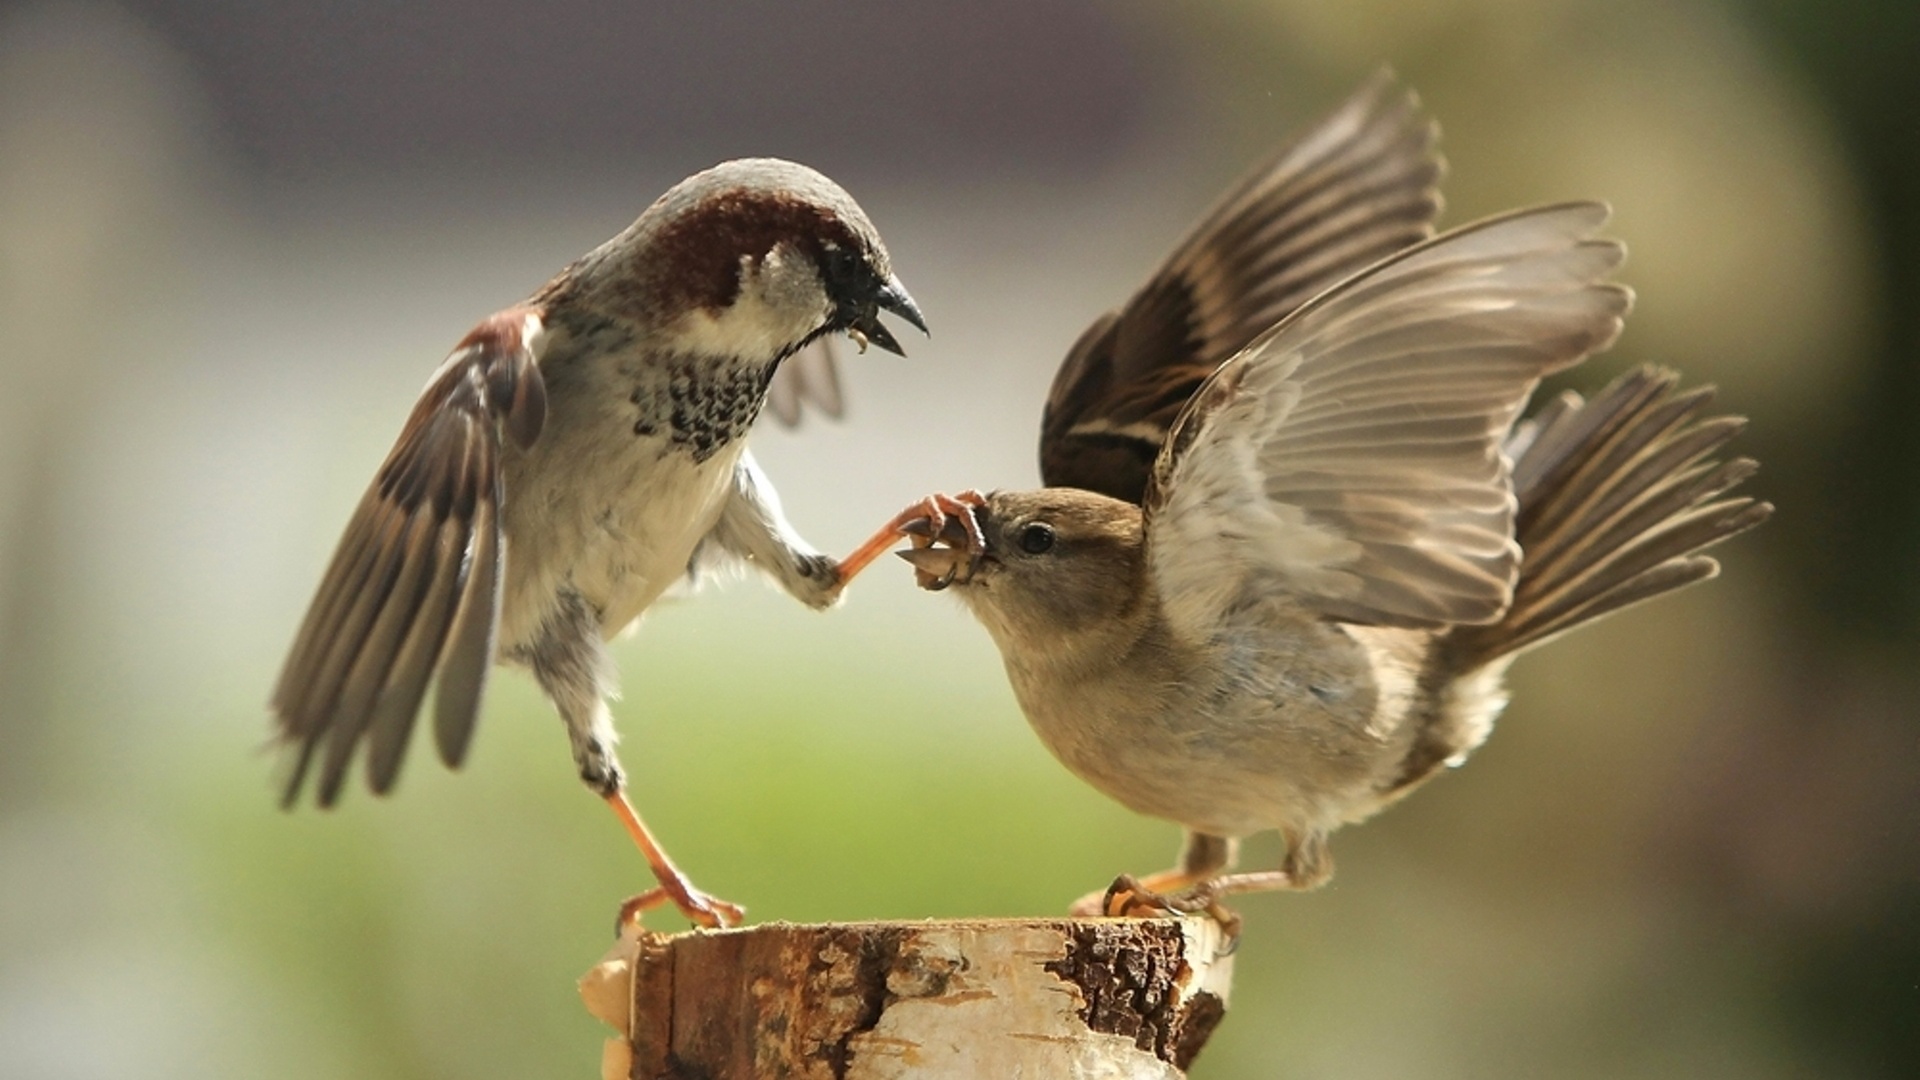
<point>1229,921</point>
<point>924,523</point>
<point>633,907</point>
<point>700,909</point>
<point>710,912</point>
<point>1129,898</point>
<point>1126,898</point>
<point>731,915</point>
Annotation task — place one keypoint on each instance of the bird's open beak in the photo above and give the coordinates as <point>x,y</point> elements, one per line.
<point>891,297</point>
<point>939,561</point>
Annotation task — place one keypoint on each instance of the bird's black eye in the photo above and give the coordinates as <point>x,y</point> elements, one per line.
<point>841,264</point>
<point>1037,538</point>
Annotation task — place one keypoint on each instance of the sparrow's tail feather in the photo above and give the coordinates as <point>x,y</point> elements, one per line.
<point>1619,497</point>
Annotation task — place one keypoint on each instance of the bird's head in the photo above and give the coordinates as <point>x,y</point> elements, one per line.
<point>754,258</point>
<point>1037,566</point>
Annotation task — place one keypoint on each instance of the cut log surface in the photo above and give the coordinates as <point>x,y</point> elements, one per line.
<point>941,1000</point>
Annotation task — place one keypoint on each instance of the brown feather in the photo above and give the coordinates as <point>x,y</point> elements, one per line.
<point>418,568</point>
<point>1355,188</point>
<point>413,665</point>
<point>1353,450</point>
<point>1616,510</point>
<point>469,652</point>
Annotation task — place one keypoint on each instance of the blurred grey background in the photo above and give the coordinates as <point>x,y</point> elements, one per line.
<point>235,238</point>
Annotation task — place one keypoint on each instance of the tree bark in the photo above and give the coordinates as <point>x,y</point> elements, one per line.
<point>939,1000</point>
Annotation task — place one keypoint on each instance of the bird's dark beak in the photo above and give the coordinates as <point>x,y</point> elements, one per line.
<point>892,296</point>
<point>935,568</point>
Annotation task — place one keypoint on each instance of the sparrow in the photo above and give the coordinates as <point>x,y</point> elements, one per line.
<point>574,457</point>
<point>1275,584</point>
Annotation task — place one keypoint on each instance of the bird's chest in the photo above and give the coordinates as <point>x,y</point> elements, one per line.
<point>632,470</point>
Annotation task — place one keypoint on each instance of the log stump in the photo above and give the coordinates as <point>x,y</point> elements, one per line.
<point>940,1000</point>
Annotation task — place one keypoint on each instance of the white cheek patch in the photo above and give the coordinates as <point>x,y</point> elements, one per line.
<point>781,301</point>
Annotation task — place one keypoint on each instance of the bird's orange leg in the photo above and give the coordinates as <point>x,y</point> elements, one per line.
<point>934,510</point>
<point>699,908</point>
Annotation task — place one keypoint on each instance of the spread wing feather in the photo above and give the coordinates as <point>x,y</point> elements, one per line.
<point>1619,498</point>
<point>413,589</point>
<point>1352,190</point>
<point>1351,456</point>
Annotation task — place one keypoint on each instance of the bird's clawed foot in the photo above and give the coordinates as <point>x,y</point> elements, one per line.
<point>1130,898</point>
<point>699,908</point>
<point>949,520</point>
<point>702,910</point>
<point>933,517</point>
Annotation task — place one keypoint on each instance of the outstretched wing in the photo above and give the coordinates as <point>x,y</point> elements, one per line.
<point>1351,456</point>
<point>414,587</point>
<point>1355,188</point>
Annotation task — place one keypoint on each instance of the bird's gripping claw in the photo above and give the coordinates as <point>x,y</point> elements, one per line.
<point>944,519</point>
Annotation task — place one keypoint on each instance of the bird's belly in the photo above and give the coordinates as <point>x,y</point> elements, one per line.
<point>1209,793</point>
<point>617,529</point>
<point>1228,767</point>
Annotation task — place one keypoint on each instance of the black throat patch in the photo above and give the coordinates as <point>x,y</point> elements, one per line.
<point>698,404</point>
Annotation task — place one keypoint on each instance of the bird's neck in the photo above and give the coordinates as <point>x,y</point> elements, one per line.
<point>1091,653</point>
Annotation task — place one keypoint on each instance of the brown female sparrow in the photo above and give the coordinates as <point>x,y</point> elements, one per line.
<point>574,457</point>
<point>1276,584</point>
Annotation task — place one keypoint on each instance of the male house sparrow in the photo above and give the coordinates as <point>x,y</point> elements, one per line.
<point>569,462</point>
<point>1277,586</point>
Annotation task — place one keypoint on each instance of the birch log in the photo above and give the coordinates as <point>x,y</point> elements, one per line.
<point>1084,999</point>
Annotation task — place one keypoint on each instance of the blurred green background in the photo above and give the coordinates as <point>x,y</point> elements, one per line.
<point>234,239</point>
